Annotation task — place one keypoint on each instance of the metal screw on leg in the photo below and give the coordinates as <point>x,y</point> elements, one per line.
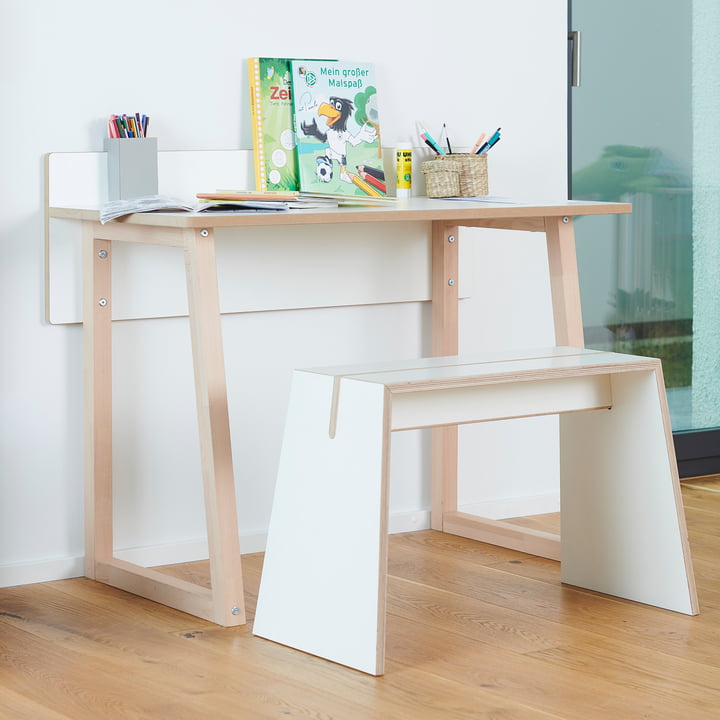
<point>103,254</point>
<point>235,610</point>
<point>102,302</point>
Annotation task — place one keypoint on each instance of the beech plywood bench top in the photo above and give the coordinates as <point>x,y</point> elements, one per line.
<point>489,368</point>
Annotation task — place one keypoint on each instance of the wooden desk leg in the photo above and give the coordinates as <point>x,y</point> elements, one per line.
<point>564,284</point>
<point>97,351</point>
<point>214,427</point>
<point>445,241</point>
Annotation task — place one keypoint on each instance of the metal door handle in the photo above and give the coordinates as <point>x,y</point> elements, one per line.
<point>574,40</point>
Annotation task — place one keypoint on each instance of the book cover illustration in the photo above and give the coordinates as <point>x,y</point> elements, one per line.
<point>337,128</point>
<point>272,124</point>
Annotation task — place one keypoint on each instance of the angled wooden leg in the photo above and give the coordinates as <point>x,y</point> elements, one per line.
<point>224,603</point>
<point>323,584</point>
<point>97,349</point>
<point>445,242</point>
<point>214,427</point>
<point>564,284</point>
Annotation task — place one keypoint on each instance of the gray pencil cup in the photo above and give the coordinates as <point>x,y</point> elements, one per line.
<point>132,167</point>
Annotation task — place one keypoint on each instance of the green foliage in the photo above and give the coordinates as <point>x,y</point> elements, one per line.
<point>365,107</point>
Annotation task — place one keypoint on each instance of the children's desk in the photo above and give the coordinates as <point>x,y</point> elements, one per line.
<point>195,234</point>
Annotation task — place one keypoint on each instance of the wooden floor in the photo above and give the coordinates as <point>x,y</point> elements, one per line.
<point>474,631</point>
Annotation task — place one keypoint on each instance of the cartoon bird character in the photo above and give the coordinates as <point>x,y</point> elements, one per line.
<point>337,136</point>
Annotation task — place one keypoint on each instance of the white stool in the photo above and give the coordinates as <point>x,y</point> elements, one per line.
<point>623,529</point>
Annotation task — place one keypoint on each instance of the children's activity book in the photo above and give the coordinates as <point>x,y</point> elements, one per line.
<point>337,128</point>
<point>272,124</point>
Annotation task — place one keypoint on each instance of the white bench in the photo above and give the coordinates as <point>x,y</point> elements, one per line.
<point>623,528</point>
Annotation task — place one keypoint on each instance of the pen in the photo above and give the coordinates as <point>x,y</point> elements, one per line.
<point>488,143</point>
<point>447,139</point>
<point>490,146</point>
<point>428,139</point>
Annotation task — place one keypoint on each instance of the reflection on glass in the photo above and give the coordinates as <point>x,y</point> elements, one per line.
<point>645,130</point>
<point>649,300</point>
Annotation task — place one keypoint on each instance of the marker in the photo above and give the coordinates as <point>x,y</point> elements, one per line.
<point>477,144</point>
<point>428,139</point>
<point>489,143</point>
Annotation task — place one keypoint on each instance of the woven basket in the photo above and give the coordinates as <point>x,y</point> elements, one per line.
<point>473,173</point>
<point>442,179</point>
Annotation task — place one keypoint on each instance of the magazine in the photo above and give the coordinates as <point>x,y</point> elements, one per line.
<point>154,203</point>
<point>337,128</point>
<point>272,124</point>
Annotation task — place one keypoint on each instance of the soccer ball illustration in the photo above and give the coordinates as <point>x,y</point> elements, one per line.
<point>324,169</point>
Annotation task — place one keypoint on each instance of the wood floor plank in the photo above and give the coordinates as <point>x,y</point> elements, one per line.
<point>664,630</point>
<point>531,680</point>
<point>630,666</point>
<point>511,561</point>
<point>405,690</point>
<point>15,706</point>
<point>492,628</point>
<point>134,674</point>
<point>82,687</point>
<point>486,623</point>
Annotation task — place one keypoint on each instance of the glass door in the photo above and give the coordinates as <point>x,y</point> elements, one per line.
<point>644,129</point>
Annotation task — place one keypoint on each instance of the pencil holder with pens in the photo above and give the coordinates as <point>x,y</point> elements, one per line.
<point>132,167</point>
<point>456,175</point>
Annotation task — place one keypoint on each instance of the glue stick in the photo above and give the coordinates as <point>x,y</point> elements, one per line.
<point>403,164</point>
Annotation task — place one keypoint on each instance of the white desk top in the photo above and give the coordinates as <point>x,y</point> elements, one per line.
<point>460,212</point>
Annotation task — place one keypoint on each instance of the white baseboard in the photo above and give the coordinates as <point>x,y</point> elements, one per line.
<point>69,567</point>
<point>53,569</point>
<point>409,521</point>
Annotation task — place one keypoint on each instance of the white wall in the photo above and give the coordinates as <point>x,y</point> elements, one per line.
<point>64,67</point>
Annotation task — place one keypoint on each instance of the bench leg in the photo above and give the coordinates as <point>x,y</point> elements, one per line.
<point>623,527</point>
<point>324,574</point>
